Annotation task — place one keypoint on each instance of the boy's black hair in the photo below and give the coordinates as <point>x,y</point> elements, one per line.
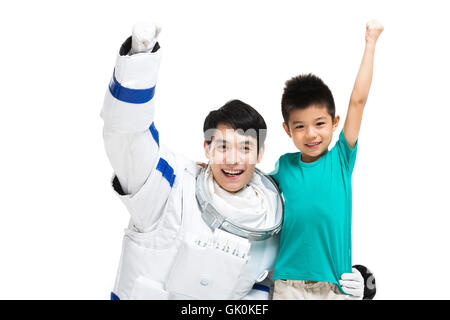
<point>240,116</point>
<point>305,90</point>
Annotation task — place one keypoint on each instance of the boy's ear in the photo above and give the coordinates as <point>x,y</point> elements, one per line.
<point>261,153</point>
<point>336,122</point>
<point>286,128</point>
<point>206,148</point>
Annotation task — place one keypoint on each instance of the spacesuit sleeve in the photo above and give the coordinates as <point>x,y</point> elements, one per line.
<point>131,139</point>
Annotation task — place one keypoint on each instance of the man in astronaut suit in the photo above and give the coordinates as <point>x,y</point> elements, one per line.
<point>194,233</point>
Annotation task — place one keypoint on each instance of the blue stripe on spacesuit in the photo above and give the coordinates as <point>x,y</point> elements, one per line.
<point>114,296</point>
<point>261,287</point>
<point>130,95</point>
<point>154,132</point>
<point>166,170</point>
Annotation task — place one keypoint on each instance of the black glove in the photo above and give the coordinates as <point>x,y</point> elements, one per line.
<point>369,282</point>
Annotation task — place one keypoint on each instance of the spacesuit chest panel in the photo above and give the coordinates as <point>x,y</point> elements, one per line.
<point>206,266</point>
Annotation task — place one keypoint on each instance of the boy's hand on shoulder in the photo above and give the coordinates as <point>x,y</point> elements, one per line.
<point>373,30</point>
<point>201,164</point>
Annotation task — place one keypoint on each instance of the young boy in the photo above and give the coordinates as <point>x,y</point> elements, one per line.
<point>315,246</point>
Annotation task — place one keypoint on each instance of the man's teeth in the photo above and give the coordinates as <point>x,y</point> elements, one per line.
<point>233,172</point>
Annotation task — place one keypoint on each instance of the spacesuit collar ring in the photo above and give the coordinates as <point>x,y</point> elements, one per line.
<point>215,219</point>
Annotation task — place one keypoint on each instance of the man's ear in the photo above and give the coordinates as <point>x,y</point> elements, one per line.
<point>286,128</point>
<point>261,153</point>
<point>336,122</point>
<point>206,148</point>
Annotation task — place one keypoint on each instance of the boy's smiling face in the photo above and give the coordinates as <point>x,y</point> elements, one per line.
<point>311,129</point>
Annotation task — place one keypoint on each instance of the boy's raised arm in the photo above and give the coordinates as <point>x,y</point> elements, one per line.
<point>362,84</point>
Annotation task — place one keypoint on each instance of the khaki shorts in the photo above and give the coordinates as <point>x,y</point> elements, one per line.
<point>307,290</point>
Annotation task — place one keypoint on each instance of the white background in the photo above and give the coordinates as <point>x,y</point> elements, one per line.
<point>60,223</point>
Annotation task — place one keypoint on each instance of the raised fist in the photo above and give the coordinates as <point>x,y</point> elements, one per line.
<point>373,30</point>
<point>144,37</point>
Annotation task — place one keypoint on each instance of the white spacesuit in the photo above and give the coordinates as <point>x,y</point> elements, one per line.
<point>177,245</point>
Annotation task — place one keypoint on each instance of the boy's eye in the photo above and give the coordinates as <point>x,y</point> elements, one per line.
<point>299,127</point>
<point>320,123</point>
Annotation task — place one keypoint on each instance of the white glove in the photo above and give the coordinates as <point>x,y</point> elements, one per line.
<point>144,37</point>
<point>353,284</point>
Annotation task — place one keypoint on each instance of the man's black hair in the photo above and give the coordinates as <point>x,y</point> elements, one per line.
<point>240,116</point>
<point>303,91</point>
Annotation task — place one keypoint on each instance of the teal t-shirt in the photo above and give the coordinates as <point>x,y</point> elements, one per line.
<point>315,242</point>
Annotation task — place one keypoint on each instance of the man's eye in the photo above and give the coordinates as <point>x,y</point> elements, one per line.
<point>221,147</point>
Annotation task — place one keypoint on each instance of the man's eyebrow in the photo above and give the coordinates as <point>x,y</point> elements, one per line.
<point>249,142</point>
<point>223,141</point>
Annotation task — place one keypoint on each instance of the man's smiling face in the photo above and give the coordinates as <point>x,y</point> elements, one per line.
<point>232,157</point>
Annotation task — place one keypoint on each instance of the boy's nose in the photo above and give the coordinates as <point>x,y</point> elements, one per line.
<point>310,132</point>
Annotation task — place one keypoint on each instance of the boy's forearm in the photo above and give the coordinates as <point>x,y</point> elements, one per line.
<point>363,80</point>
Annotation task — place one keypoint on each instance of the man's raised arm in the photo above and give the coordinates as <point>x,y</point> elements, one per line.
<point>144,174</point>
